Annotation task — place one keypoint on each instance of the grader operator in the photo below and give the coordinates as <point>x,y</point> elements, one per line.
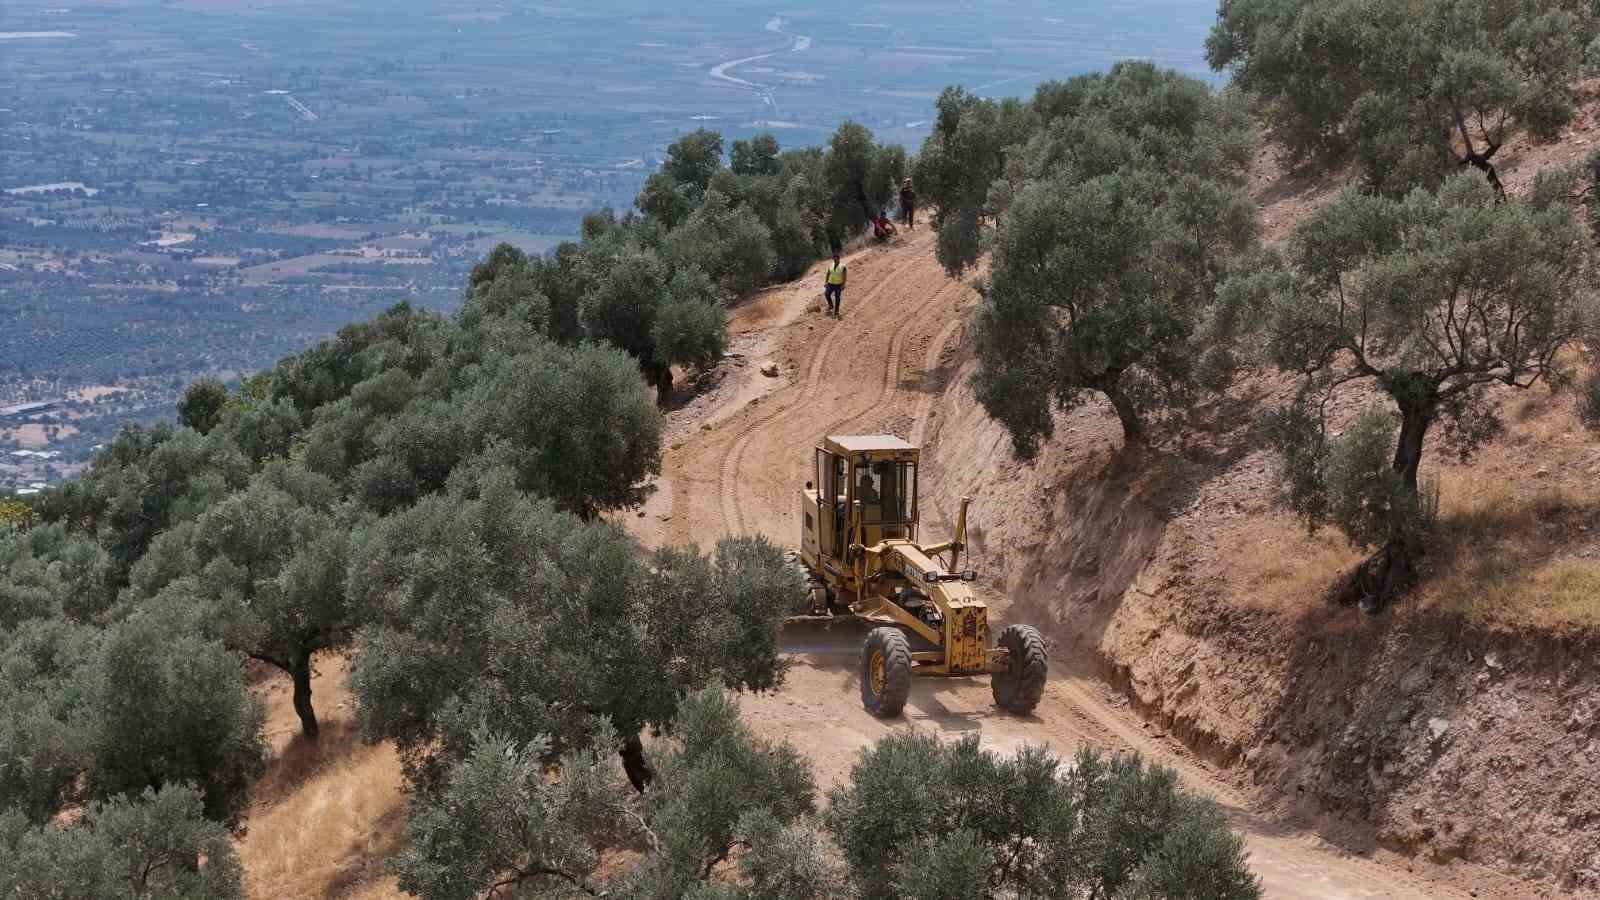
<point>859,544</point>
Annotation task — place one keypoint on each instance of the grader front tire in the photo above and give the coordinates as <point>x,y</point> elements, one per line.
<point>1018,688</point>
<point>885,672</point>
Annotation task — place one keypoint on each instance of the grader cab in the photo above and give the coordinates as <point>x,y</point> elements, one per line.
<point>860,544</point>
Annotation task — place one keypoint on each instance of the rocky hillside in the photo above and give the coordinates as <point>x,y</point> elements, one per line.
<point>1463,724</point>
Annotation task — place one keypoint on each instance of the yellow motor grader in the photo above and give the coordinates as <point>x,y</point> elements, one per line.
<point>859,544</point>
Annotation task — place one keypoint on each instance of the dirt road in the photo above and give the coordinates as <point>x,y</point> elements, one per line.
<point>737,458</point>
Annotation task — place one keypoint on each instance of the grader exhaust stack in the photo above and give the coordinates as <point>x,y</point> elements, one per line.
<point>859,541</point>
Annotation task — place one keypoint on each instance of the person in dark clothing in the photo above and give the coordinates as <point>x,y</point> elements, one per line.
<point>908,204</point>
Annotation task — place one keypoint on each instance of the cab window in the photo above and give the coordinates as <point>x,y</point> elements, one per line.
<point>887,491</point>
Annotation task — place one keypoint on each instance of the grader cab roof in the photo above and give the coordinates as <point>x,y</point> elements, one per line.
<point>866,443</point>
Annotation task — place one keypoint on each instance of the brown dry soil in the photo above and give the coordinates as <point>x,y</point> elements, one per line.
<point>1312,726</point>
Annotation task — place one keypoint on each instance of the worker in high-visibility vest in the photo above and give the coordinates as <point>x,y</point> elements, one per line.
<point>833,285</point>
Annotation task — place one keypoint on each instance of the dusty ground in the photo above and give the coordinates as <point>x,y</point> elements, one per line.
<point>325,816</point>
<point>738,457</point>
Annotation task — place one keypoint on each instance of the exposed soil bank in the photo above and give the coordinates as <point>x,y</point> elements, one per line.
<point>1172,575</point>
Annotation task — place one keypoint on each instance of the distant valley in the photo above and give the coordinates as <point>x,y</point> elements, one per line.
<point>203,186</point>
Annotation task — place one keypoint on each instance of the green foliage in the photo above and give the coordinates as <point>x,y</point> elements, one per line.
<point>153,845</point>
<point>490,603</point>
<point>1198,859</point>
<point>49,572</point>
<point>715,780</point>
<point>46,678</point>
<point>509,287</point>
<point>757,156</point>
<point>665,200</point>
<point>1350,481</point>
<point>575,424</point>
<point>694,158</point>
<point>261,431</point>
<point>727,243</point>
<point>861,178</point>
<point>498,821</point>
<point>201,405</point>
<point>924,819</point>
<point>144,482</point>
<point>953,866</point>
<point>400,337</point>
<point>504,816</point>
<point>1118,222</point>
<point>263,570</point>
<point>169,706</point>
<point>779,862</point>
<point>1410,91</point>
<point>691,326</point>
<point>961,158</point>
<point>1433,298</point>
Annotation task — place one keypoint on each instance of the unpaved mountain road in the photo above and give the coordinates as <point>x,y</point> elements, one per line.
<point>736,463</point>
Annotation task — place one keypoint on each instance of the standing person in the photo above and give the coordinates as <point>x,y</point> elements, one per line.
<point>833,285</point>
<point>908,204</point>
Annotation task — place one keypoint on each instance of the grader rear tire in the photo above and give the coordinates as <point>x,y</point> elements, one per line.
<point>1019,687</point>
<point>885,672</point>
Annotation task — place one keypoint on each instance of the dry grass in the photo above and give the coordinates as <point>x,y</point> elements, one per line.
<point>1515,553</point>
<point>1518,542</point>
<point>1283,568</point>
<point>325,815</point>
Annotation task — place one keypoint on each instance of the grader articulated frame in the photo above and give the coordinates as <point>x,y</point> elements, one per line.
<point>859,543</point>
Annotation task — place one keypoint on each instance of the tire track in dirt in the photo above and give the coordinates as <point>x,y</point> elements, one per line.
<point>732,509</point>
<point>853,390</point>
<point>891,363</point>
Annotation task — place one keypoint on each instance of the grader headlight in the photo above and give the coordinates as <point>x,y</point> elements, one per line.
<point>969,574</point>
<point>931,577</point>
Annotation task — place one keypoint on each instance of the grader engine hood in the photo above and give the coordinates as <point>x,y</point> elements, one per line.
<point>966,618</point>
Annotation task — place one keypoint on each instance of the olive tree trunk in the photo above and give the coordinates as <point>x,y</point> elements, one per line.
<point>1387,573</point>
<point>300,672</point>
<point>634,763</point>
<point>1127,414</point>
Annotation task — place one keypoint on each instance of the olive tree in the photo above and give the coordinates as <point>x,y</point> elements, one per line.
<point>488,604</point>
<point>505,818</point>
<point>694,158</point>
<point>1410,90</point>
<point>575,423</point>
<point>201,406</point>
<point>963,155</point>
<point>1116,221</point>
<point>170,706</point>
<point>757,156</point>
<point>132,847</point>
<point>727,243</point>
<point>47,669</point>
<point>1432,299</point>
<point>861,177</point>
<point>926,819</point>
<point>267,566</point>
